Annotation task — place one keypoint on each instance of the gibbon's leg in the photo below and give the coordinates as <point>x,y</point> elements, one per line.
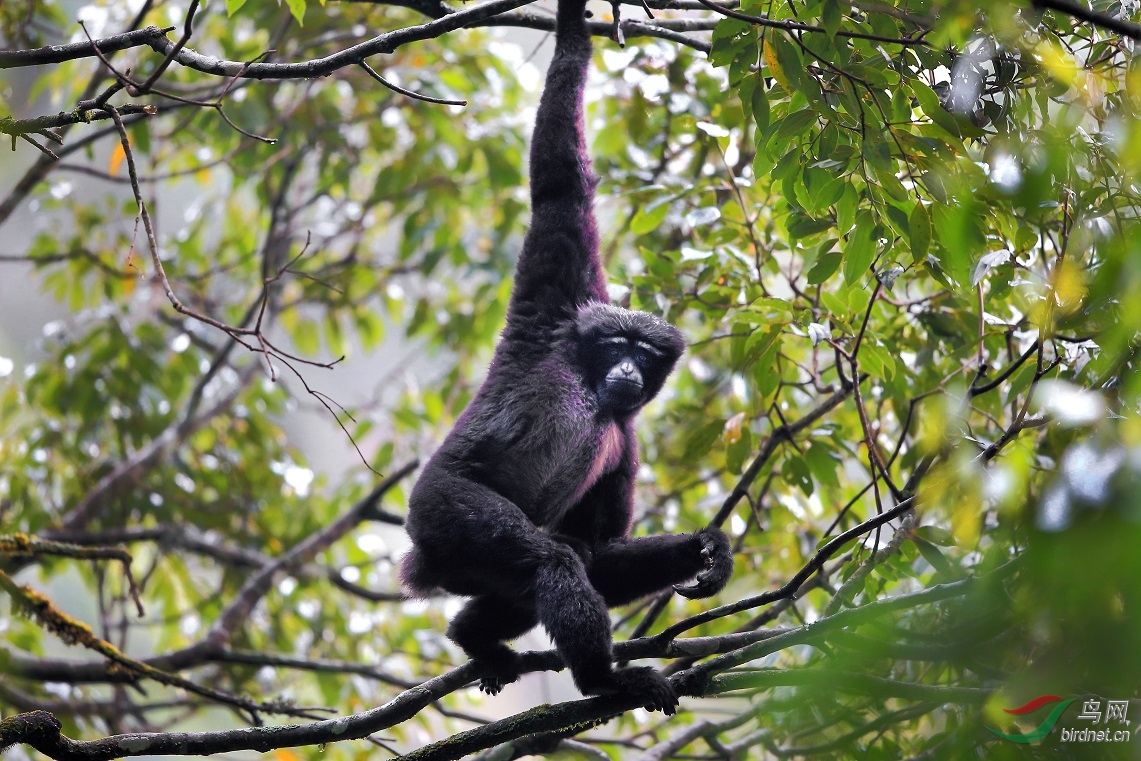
<point>483,627</point>
<point>624,570</point>
<point>539,578</point>
<point>574,615</point>
<point>474,542</point>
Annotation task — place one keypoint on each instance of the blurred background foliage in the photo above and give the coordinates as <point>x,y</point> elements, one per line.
<point>939,200</point>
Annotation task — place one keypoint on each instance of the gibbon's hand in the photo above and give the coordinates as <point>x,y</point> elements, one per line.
<point>717,556</point>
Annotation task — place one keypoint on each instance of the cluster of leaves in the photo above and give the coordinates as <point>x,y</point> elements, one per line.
<point>900,242</point>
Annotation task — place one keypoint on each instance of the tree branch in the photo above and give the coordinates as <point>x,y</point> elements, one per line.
<point>1097,18</point>
<point>13,59</point>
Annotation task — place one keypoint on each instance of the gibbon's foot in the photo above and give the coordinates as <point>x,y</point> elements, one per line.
<point>640,681</point>
<point>648,684</point>
<point>717,557</point>
<point>499,672</point>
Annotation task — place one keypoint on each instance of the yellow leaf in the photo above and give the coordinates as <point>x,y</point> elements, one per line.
<point>1069,288</point>
<point>1059,62</point>
<point>774,66</point>
<point>733,428</point>
<point>116,160</point>
<point>285,754</point>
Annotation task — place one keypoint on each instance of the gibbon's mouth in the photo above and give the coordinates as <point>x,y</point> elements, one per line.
<point>626,383</point>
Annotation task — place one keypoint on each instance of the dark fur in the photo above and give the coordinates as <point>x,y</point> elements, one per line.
<point>527,504</point>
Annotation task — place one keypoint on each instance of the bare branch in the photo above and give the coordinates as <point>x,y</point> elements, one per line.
<point>12,59</point>
<point>21,545</point>
<point>417,96</point>
<point>38,124</point>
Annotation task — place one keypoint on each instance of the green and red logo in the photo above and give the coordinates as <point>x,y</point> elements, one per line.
<point>1047,724</point>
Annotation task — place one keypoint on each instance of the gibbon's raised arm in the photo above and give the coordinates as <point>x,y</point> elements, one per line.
<point>559,268</point>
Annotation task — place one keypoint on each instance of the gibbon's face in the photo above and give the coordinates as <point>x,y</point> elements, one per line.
<point>624,356</point>
<point>627,372</point>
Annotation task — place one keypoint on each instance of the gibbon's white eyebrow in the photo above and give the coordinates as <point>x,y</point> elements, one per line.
<point>650,348</point>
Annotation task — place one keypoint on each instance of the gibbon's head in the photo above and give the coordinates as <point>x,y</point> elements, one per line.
<point>625,356</point>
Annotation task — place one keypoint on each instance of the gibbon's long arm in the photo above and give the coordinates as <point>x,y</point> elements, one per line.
<point>559,268</point>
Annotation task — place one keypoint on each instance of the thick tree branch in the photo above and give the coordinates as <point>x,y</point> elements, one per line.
<point>21,545</point>
<point>1082,12</point>
<point>39,124</point>
<point>12,59</point>
<point>320,67</point>
<point>71,632</point>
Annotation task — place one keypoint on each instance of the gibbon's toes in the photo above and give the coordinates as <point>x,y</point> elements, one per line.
<point>649,685</point>
<point>498,673</point>
<point>490,685</point>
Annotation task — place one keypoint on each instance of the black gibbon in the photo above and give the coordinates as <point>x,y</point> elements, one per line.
<point>526,506</point>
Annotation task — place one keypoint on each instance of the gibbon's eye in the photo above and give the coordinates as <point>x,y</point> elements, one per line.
<point>614,349</point>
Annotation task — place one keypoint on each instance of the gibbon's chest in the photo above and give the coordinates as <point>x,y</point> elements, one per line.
<point>607,455</point>
<point>572,463</point>
<point>572,469</point>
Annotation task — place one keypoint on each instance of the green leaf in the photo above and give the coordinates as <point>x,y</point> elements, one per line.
<point>936,559</point>
<point>931,106</point>
<point>297,10</point>
<point>960,236</point>
<point>877,360</point>
<point>802,226</point>
<point>760,104</point>
<point>796,472</point>
<point>738,452</point>
<point>846,209</point>
<point>824,268</point>
<point>794,125</point>
<point>860,248</point>
<point>701,441</point>
<point>823,465</point>
<point>233,6</point>
<point>919,231</point>
<point>730,36</point>
<point>649,217</point>
<point>831,16</point>
<point>935,535</point>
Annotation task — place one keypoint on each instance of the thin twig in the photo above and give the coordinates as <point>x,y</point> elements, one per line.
<point>398,89</point>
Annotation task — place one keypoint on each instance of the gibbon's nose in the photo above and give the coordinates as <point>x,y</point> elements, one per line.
<point>627,368</point>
